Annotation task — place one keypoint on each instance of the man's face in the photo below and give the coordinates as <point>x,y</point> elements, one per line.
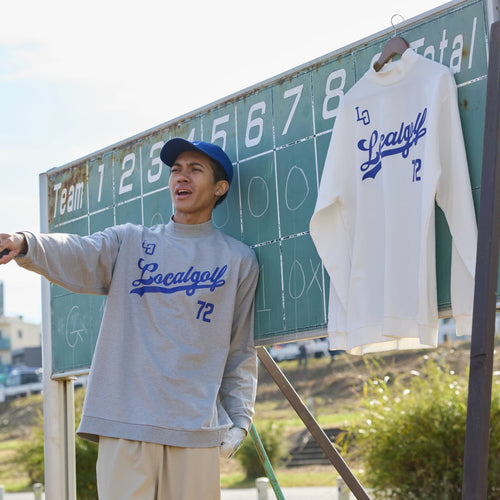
<point>193,188</point>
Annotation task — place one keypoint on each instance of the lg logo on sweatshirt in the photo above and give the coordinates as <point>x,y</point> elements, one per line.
<point>149,248</point>
<point>394,142</point>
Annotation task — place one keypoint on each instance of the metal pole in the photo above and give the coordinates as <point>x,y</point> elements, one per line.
<point>69,441</point>
<point>53,396</point>
<point>266,463</point>
<point>58,398</point>
<point>317,432</point>
<point>475,474</point>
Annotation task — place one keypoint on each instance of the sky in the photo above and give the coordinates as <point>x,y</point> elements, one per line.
<point>76,77</point>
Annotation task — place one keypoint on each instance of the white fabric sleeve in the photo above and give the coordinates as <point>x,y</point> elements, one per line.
<point>328,226</point>
<point>454,196</point>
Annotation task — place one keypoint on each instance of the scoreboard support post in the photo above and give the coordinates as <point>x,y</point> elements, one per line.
<point>312,425</point>
<point>58,401</point>
<point>475,475</point>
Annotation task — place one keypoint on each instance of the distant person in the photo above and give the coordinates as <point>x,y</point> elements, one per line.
<point>334,353</point>
<point>302,355</point>
<point>179,316</point>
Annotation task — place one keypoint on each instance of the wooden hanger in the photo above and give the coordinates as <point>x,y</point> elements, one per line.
<point>396,45</point>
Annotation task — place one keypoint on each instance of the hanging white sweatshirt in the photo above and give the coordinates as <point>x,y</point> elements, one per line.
<point>396,149</point>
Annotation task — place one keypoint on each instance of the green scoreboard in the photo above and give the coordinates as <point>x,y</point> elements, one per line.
<point>277,134</point>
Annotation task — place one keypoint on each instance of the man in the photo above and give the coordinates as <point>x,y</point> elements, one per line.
<point>179,317</point>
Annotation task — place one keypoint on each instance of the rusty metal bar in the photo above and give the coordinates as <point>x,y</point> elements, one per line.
<point>475,474</point>
<point>312,425</point>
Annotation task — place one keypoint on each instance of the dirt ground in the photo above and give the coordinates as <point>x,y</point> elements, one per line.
<point>337,385</point>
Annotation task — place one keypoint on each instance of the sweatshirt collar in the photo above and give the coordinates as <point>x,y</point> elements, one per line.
<point>394,71</point>
<point>190,230</point>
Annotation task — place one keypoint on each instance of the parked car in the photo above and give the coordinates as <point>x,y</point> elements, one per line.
<point>316,348</point>
<point>321,347</point>
<point>81,381</point>
<point>285,352</point>
<point>21,382</point>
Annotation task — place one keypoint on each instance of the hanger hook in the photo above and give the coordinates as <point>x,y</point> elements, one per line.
<point>392,22</point>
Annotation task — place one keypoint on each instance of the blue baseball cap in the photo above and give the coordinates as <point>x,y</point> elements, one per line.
<point>174,147</point>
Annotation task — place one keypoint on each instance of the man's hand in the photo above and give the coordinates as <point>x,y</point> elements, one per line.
<point>231,441</point>
<point>11,245</point>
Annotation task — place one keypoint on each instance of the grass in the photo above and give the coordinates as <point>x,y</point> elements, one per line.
<point>236,480</point>
<point>14,431</point>
<point>269,410</point>
<point>9,444</point>
<point>290,478</point>
<point>12,475</point>
<point>332,391</point>
<point>14,479</point>
<point>287,478</point>
<point>277,408</point>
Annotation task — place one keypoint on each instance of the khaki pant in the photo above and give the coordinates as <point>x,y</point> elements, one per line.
<point>134,470</point>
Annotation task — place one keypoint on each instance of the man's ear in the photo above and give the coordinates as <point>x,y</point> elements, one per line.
<point>221,188</point>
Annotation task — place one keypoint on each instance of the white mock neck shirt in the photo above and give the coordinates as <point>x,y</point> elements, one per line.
<point>396,149</point>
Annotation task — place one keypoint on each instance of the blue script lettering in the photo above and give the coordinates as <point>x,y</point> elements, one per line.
<point>189,281</point>
<point>393,143</point>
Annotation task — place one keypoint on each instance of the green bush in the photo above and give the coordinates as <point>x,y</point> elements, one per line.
<point>271,436</point>
<point>31,456</point>
<point>413,440</point>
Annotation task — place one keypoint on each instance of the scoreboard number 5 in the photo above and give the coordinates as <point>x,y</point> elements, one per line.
<point>220,134</point>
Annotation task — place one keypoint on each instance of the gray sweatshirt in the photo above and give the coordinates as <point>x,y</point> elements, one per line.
<point>174,362</point>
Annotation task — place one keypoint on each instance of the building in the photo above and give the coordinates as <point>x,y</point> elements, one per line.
<point>20,341</point>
